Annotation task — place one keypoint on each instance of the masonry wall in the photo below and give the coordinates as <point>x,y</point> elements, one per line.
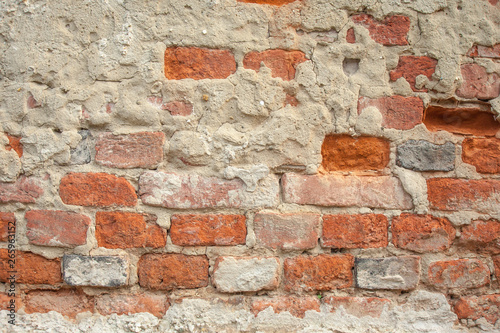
<point>250,165</point>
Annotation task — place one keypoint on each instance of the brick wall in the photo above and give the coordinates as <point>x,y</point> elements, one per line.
<point>261,156</point>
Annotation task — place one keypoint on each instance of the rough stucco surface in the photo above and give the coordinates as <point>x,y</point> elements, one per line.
<point>71,71</point>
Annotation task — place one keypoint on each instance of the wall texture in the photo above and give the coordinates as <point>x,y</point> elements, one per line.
<point>250,165</point>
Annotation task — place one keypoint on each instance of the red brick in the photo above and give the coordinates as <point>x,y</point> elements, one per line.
<point>269,2</point>
<point>460,273</point>
<point>96,189</point>
<point>422,233</point>
<point>477,83</point>
<point>295,231</point>
<point>322,272</point>
<point>24,190</point>
<point>297,306</point>
<point>463,194</point>
<point>496,264</point>
<point>391,31</point>
<point>31,268</point>
<point>483,153</point>
<point>482,236</point>
<point>5,301</point>
<point>7,223</point>
<point>398,112</point>
<point>66,301</point>
<point>15,144</point>
<point>350,36</point>
<point>207,230</point>
<point>172,271</point>
<point>493,2</point>
<point>460,120</point>
<point>198,63</point>
<point>56,228</point>
<point>123,230</point>
<point>346,153</point>
<point>137,150</point>
<point>485,51</point>
<point>128,304</point>
<point>282,63</point>
<point>476,307</point>
<point>344,191</point>
<point>291,100</point>
<point>409,67</point>
<point>358,306</point>
<point>32,103</point>
<point>178,108</point>
<point>355,231</point>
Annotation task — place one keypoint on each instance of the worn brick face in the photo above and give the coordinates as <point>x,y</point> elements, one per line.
<point>460,273</point>
<point>346,153</point>
<point>137,150</point>
<point>15,144</point>
<point>322,272</point>
<point>96,189</point>
<point>392,273</point>
<point>483,153</point>
<point>172,271</point>
<point>478,83</point>
<point>398,112</point>
<point>24,190</point>
<point>391,31</point>
<point>355,231</point>
<point>481,51</point>
<point>482,236</point>
<point>96,271</point>
<point>122,230</point>
<point>422,233</point>
<point>409,67</point>
<point>7,223</point>
<point>68,302</point>
<point>198,63</point>
<point>282,63</point>
<point>270,2</point>
<point>297,306</point>
<point>122,304</point>
<point>31,268</point>
<point>294,231</point>
<point>358,306</point>
<point>476,307</point>
<point>421,155</point>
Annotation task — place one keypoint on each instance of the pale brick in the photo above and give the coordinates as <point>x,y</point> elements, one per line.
<point>394,273</point>
<point>97,271</point>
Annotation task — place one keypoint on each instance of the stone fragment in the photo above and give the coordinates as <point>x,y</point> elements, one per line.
<point>460,273</point>
<point>124,304</point>
<point>422,155</point>
<point>391,31</point>
<point>483,153</point>
<point>31,268</point>
<point>478,83</point>
<point>10,165</point>
<point>282,63</point>
<point>250,176</point>
<point>81,154</point>
<point>409,67</point>
<point>358,306</point>
<point>398,112</point>
<point>296,306</point>
<point>95,271</point>
<point>393,273</point>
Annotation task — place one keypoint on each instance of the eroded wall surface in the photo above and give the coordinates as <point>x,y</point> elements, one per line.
<point>250,166</point>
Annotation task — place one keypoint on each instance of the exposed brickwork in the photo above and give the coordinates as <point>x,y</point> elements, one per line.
<point>391,31</point>
<point>483,153</point>
<point>398,112</point>
<point>422,155</point>
<point>7,223</point>
<point>355,231</point>
<point>178,108</point>
<point>67,302</point>
<point>358,306</point>
<point>460,273</point>
<point>485,51</point>
<point>478,83</point>
<point>135,303</point>
<point>297,306</point>
<point>350,36</point>
<point>476,307</point>
<point>482,236</point>
<point>270,2</point>
<point>393,273</point>
<point>409,67</point>
<point>282,63</point>
<point>31,268</point>
<point>15,144</point>
<point>95,271</point>
<point>24,190</point>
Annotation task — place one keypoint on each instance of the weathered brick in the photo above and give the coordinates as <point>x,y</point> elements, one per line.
<point>336,190</point>
<point>172,271</point>
<point>350,36</point>
<point>198,63</point>
<point>460,120</point>
<point>477,83</point>
<point>81,153</point>
<point>7,223</point>
<point>270,2</point>
<point>394,273</point>
<point>56,228</point>
<point>463,194</point>
<point>482,236</point>
<point>409,67</point>
<point>208,229</point>
<point>346,153</point>
<point>31,268</point>
<point>291,100</point>
<point>485,51</point>
<point>483,153</point>
<point>5,302</point>
<point>97,271</point>
<point>322,272</point>
<point>294,231</point>
<point>24,190</point>
<point>67,302</point>
<point>496,264</point>
<point>192,191</point>
<point>32,103</point>
<point>391,31</point>
<point>136,150</point>
<point>296,306</point>
<point>476,307</point>
<point>422,233</point>
<point>398,112</point>
<point>355,231</point>
<point>96,189</point>
<point>460,273</point>
<point>123,304</point>
<point>178,108</point>
<point>240,274</point>
<point>123,230</point>
<point>358,306</point>
<point>422,155</point>
<point>282,63</point>
<point>15,144</point>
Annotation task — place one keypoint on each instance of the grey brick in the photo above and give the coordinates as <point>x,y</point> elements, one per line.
<point>102,271</point>
<point>422,155</point>
<point>395,273</point>
<point>81,154</point>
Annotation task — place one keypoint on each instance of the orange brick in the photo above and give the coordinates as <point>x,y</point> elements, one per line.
<point>96,189</point>
<point>409,67</point>
<point>476,307</point>
<point>123,230</point>
<point>67,302</point>
<point>391,31</point>
<point>31,268</point>
<point>297,306</point>
<point>15,144</point>
<point>7,223</point>
<point>282,63</point>
<point>322,272</point>
<point>483,153</point>
<point>355,231</point>
<point>482,236</point>
<point>422,233</point>
<point>460,273</point>
<point>207,230</point>
<point>358,306</point>
<point>127,304</point>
